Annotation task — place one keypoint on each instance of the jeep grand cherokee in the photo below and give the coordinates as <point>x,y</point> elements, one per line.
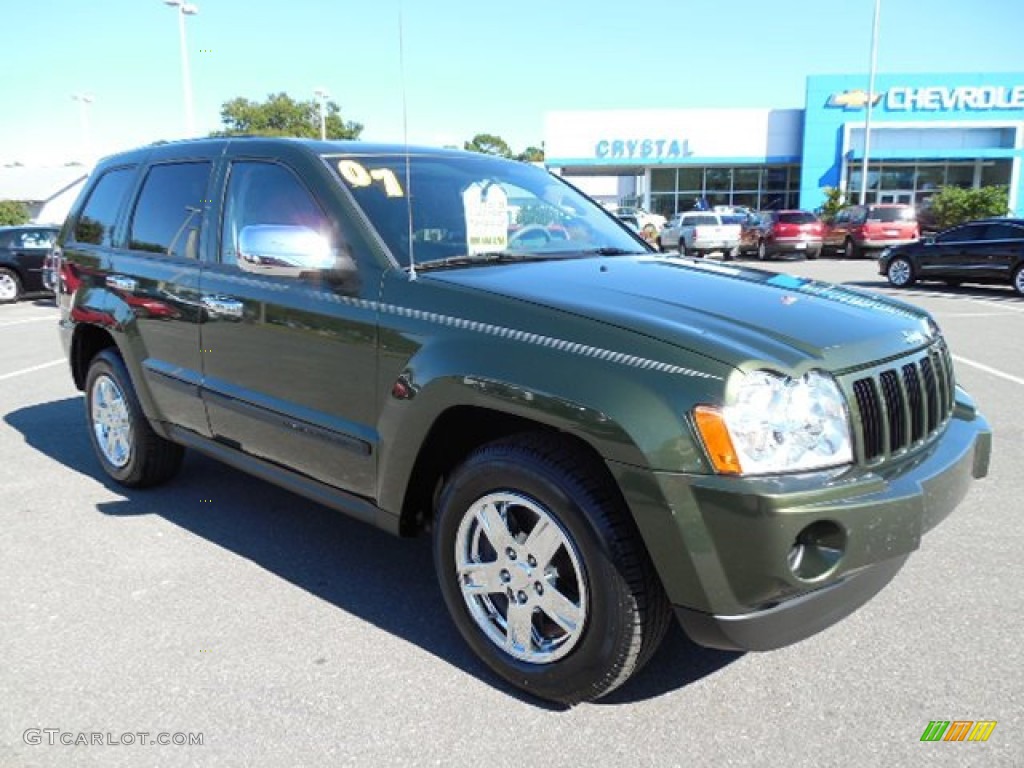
<point>595,435</point>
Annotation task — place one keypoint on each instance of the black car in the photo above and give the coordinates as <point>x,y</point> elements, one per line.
<point>984,251</point>
<point>22,253</point>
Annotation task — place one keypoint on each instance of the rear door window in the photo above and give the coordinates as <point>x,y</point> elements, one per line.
<point>96,223</point>
<point>965,234</point>
<point>170,209</point>
<point>1001,231</point>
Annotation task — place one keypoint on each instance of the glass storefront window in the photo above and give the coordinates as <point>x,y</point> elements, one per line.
<point>663,180</point>
<point>746,179</point>
<point>691,179</point>
<point>958,175</point>
<point>719,180</point>
<point>996,172</point>
<point>663,204</point>
<point>930,177</point>
<point>774,179</point>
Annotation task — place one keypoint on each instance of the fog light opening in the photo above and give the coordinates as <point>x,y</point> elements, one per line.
<point>817,550</point>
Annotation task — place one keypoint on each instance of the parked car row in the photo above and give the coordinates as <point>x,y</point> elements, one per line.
<point>855,232</point>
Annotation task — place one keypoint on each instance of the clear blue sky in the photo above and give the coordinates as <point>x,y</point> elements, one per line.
<point>471,67</point>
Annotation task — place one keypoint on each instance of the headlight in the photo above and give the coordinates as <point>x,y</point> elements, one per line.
<point>778,424</point>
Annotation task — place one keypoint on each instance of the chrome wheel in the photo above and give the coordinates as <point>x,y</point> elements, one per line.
<point>521,578</point>
<point>8,286</point>
<point>899,273</point>
<point>1018,281</point>
<point>111,421</point>
<point>762,251</point>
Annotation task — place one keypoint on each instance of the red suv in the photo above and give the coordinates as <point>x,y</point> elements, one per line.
<point>787,232</point>
<point>860,228</point>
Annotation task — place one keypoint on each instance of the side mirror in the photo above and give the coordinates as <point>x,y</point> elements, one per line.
<point>289,251</point>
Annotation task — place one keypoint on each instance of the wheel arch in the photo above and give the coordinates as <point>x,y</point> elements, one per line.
<point>87,341</point>
<point>454,416</point>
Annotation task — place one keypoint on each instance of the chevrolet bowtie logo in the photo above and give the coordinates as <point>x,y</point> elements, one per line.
<point>856,99</point>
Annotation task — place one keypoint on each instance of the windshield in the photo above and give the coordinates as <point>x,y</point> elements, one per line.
<point>467,206</point>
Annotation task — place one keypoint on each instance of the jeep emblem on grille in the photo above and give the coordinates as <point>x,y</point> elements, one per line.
<point>914,337</point>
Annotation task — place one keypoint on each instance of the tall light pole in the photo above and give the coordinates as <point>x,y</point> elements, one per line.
<point>185,9</point>
<point>322,96</point>
<point>84,100</point>
<point>870,105</point>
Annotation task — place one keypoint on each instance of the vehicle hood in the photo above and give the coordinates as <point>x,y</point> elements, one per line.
<point>737,315</point>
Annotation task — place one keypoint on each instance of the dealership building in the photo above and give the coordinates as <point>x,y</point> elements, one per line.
<point>927,131</point>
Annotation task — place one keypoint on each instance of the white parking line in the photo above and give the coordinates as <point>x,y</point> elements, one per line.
<point>989,369</point>
<point>33,369</point>
<point>29,320</point>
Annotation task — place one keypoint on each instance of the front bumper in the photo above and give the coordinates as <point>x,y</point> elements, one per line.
<point>724,553</point>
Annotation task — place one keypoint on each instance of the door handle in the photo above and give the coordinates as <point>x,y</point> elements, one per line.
<point>122,283</point>
<point>223,306</point>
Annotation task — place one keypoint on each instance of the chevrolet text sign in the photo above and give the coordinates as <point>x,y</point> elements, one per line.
<point>944,98</point>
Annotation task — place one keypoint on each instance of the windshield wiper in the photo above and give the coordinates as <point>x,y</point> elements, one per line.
<point>613,251</point>
<point>490,257</point>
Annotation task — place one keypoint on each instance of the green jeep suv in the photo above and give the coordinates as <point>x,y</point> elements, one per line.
<point>596,436</point>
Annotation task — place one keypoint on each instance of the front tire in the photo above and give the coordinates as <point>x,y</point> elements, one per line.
<point>1018,280</point>
<point>543,570</point>
<point>900,273</point>
<point>10,286</point>
<point>762,251</point>
<point>681,247</point>
<point>130,452</point>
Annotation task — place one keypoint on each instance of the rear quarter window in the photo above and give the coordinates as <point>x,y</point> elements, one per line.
<point>96,222</point>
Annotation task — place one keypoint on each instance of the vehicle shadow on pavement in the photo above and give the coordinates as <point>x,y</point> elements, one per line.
<point>987,292</point>
<point>382,579</point>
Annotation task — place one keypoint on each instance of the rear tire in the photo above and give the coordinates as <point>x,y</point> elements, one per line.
<point>762,251</point>
<point>1018,280</point>
<point>850,249</point>
<point>130,452</point>
<point>10,286</point>
<point>681,247</point>
<point>543,570</point>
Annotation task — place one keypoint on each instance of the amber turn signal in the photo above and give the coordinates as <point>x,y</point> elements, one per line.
<point>714,433</point>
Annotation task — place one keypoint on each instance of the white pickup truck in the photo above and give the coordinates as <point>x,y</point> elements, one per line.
<point>696,233</point>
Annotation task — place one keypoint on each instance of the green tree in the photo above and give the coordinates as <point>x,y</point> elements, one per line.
<point>531,155</point>
<point>12,212</point>
<point>833,202</point>
<point>281,115</point>
<point>952,205</point>
<point>489,144</point>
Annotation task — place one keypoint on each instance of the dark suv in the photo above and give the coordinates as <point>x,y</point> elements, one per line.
<point>23,251</point>
<point>594,435</point>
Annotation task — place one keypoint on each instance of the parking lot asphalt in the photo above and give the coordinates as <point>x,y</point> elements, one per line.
<point>288,635</point>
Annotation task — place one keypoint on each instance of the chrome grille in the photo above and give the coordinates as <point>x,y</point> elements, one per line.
<point>902,403</point>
